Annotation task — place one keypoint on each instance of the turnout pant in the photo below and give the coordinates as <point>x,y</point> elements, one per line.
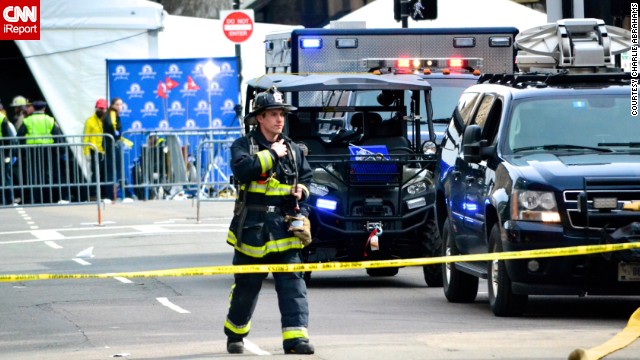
<point>292,298</point>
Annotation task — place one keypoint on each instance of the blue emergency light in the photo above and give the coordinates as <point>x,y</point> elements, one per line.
<point>311,43</point>
<point>326,204</point>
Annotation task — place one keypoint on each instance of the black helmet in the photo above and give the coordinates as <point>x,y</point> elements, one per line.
<point>269,99</point>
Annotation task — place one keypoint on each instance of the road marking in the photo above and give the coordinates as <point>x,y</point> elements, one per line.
<point>150,228</point>
<point>202,229</point>
<point>254,348</point>
<point>123,280</point>
<point>47,235</point>
<point>164,301</point>
<point>52,245</point>
<point>81,262</point>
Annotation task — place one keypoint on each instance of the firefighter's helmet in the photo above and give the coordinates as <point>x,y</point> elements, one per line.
<point>18,101</point>
<point>269,99</point>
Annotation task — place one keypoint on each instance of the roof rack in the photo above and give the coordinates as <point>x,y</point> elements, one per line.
<point>544,79</point>
<point>576,45</point>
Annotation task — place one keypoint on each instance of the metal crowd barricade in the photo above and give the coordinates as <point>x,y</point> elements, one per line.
<point>47,174</point>
<point>214,177</point>
<point>170,164</point>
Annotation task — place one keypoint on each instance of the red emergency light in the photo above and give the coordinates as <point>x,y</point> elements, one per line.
<point>456,63</point>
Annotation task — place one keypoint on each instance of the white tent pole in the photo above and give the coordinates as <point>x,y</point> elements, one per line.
<point>153,44</point>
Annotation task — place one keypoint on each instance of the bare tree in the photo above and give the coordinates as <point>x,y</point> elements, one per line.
<point>209,9</point>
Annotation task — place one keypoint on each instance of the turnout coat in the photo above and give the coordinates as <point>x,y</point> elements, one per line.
<point>259,226</point>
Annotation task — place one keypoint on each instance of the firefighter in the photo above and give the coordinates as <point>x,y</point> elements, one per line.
<point>274,177</point>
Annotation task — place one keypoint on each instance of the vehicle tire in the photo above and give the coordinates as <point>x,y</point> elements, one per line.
<point>432,247</point>
<point>459,287</point>
<point>385,271</point>
<point>502,300</point>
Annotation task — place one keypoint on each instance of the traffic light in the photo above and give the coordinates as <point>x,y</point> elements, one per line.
<point>423,9</point>
<point>416,9</point>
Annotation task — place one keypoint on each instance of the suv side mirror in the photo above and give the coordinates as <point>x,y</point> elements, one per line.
<point>472,144</point>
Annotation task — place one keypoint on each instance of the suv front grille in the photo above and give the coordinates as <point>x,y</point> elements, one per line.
<point>622,190</point>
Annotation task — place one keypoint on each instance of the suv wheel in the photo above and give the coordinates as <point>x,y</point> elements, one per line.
<point>459,287</point>
<point>432,246</point>
<point>502,300</point>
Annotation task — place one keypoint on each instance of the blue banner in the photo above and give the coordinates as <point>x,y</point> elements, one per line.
<point>174,94</point>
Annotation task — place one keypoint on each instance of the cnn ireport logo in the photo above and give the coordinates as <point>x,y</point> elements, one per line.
<point>20,20</point>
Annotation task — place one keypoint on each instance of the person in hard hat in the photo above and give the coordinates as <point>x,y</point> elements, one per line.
<point>94,134</point>
<point>19,105</point>
<point>7,138</point>
<point>274,176</point>
<point>42,162</point>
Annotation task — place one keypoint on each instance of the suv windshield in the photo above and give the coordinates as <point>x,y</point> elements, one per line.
<point>588,123</point>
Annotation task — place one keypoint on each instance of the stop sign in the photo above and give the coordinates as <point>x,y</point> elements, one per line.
<point>237,26</point>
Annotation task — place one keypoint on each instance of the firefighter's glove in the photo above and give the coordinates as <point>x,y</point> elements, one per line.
<point>300,227</point>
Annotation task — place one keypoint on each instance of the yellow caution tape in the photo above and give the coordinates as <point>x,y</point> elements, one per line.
<point>622,339</point>
<point>333,266</point>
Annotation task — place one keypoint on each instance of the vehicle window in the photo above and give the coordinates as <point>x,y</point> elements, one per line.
<point>445,94</point>
<point>483,110</point>
<point>464,110</point>
<point>588,121</point>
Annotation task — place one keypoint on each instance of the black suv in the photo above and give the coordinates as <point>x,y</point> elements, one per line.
<point>541,160</point>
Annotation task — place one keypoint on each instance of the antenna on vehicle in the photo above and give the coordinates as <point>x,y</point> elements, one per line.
<point>582,45</point>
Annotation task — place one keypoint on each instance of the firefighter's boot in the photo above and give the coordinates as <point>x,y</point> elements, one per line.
<point>235,346</point>
<point>302,348</point>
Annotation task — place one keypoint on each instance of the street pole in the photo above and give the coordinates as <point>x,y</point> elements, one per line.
<point>404,13</point>
<point>236,6</point>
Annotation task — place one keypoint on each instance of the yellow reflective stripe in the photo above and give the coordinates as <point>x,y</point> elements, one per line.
<point>294,333</point>
<point>279,190</point>
<point>236,329</point>
<point>266,161</point>
<point>271,246</point>
<point>256,187</point>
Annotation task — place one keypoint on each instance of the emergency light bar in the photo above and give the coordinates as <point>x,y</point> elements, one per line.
<point>311,43</point>
<point>409,64</point>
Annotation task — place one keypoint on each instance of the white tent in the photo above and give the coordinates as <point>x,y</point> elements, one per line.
<point>454,14</point>
<point>77,36</point>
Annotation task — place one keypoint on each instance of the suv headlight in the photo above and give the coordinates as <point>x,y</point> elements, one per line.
<point>416,188</point>
<point>532,205</point>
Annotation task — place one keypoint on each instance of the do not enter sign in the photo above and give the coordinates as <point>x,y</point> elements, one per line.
<point>237,25</point>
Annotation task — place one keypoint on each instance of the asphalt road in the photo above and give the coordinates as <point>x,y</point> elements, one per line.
<point>353,316</point>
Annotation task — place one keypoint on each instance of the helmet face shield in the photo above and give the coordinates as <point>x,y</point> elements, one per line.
<point>269,99</point>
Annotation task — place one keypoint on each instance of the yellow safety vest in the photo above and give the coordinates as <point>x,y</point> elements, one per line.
<point>39,124</point>
<point>2,119</point>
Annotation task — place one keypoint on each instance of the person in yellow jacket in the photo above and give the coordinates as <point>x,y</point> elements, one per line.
<point>42,162</point>
<point>93,134</point>
<point>114,146</point>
